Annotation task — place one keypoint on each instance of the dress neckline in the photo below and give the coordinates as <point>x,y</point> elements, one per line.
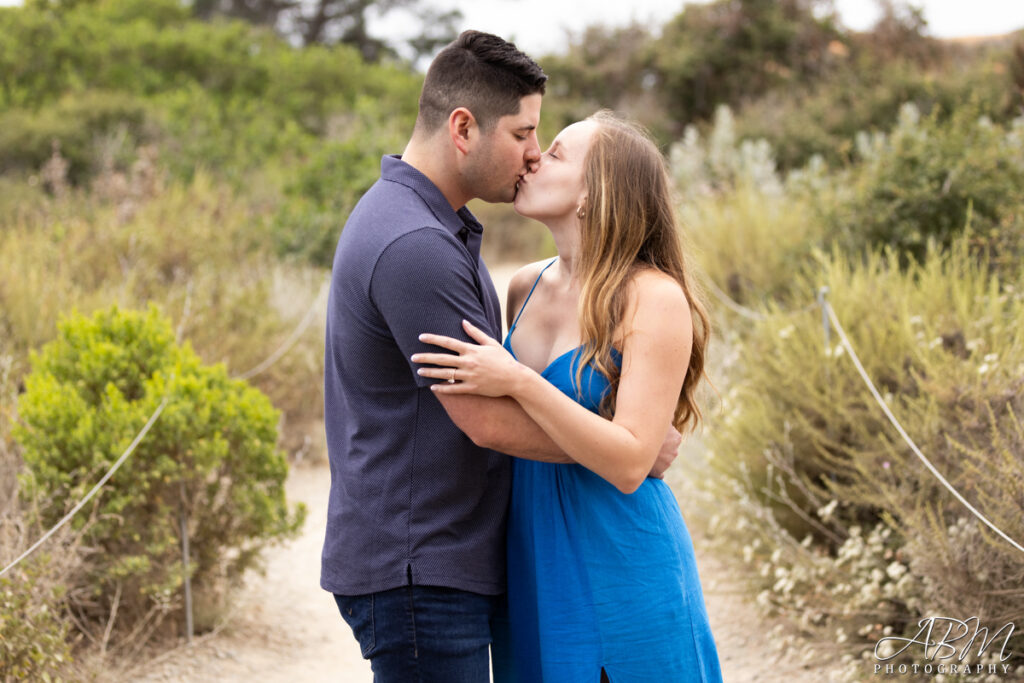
<point>508,347</point>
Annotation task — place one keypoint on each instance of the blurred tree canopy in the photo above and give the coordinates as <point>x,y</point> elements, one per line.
<point>728,52</point>
<point>724,52</point>
<point>310,22</point>
<point>788,68</point>
<point>340,21</point>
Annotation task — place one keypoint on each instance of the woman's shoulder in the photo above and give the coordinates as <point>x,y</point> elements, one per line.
<point>656,304</point>
<point>527,275</point>
<point>652,286</point>
<point>654,297</point>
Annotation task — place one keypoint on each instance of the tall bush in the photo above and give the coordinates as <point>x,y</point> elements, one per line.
<point>845,527</point>
<point>210,459</point>
<point>929,178</point>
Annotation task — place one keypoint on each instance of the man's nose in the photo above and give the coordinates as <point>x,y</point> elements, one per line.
<point>532,155</point>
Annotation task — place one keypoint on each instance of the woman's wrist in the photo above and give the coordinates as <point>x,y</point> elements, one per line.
<point>522,378</point>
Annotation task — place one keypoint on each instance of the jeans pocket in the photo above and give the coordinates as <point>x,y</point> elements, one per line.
<point>357,611</point>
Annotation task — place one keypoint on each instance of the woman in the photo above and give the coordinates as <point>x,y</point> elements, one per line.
<point>602,583</point>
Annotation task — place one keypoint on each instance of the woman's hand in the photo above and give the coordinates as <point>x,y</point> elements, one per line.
<point>485,368</point>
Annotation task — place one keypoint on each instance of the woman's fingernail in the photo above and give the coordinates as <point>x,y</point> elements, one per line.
<point>421,337</point>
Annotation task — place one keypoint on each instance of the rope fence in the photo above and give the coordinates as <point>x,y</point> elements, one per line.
<point>117,464</point>
<point>296,334</point>
<point>830,320</point>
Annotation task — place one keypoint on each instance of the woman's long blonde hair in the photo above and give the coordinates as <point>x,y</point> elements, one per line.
<point>628,225</point>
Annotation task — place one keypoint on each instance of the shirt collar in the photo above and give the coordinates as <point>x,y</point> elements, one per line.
<point>394,169</point>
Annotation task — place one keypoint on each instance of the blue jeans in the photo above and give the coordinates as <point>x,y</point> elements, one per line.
<point>422,633</point>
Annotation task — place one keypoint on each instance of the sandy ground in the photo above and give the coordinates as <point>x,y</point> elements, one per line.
<point>287,630</point>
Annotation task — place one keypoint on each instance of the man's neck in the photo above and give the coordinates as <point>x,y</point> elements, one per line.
<point>433,161</point>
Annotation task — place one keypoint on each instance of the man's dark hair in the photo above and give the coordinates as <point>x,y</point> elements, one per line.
<point>481,72</point>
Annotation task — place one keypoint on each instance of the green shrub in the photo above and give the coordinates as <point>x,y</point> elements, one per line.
<point>134,243</point>
<point>748,229</point>
<point>33,632</point>
<point>329,181</point>
<point>725,52</point>
<point>325,190</point>
<point>929,178</point>
<point>823,117</point>
<point>79,124</point>
<point>222,95</point>
<point>211,457</point>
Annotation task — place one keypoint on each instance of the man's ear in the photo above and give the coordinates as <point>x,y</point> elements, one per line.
<point>462,128</point>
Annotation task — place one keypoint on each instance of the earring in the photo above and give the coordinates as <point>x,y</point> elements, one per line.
<point>580,213</point>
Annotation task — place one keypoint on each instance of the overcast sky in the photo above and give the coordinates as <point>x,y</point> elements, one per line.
<point>539,26</point>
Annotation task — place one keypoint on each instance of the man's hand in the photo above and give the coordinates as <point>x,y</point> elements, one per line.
<point>667,454</point>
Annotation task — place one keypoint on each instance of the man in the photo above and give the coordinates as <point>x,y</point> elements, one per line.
<point>414,551</point>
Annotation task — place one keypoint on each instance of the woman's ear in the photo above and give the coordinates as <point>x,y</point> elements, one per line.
<point>462,128</point>
<point>581,205</point>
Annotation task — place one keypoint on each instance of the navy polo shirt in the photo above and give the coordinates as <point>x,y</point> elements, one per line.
<point>413,499</point>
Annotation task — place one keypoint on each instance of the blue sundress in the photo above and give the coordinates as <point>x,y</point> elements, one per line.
<point>597,578</point>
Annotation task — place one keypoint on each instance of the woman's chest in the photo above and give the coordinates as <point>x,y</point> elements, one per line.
<point>548,331</point>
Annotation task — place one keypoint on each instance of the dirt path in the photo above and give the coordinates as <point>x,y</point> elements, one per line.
<point>287,630</point>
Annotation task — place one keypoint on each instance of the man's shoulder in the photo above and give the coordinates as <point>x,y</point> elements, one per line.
<point>391,200</point>
<point>386,213</point>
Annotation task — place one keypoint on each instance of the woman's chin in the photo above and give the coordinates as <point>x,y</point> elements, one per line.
<point>519,207</point>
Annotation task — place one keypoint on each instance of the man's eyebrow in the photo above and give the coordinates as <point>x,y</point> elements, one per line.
<point>527,128</point>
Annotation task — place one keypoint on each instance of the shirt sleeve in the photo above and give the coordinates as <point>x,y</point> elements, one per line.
<point>426,281</point>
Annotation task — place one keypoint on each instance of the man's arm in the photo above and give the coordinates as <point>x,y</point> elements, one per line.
<point>502,425</point>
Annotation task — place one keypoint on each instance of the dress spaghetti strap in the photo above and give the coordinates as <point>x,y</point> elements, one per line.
<point>523,307</point>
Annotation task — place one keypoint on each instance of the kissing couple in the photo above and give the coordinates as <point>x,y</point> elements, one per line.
<point>500,505</point>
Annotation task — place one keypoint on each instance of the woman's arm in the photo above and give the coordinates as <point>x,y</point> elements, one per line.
<point>656,351</point>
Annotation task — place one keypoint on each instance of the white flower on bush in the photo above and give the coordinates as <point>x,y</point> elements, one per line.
<point>835,352</point>
<point>909,117</point>
<point>895,571</point>
<point>785,332</point>
<point>869,594</point>
<point>825,513</point>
